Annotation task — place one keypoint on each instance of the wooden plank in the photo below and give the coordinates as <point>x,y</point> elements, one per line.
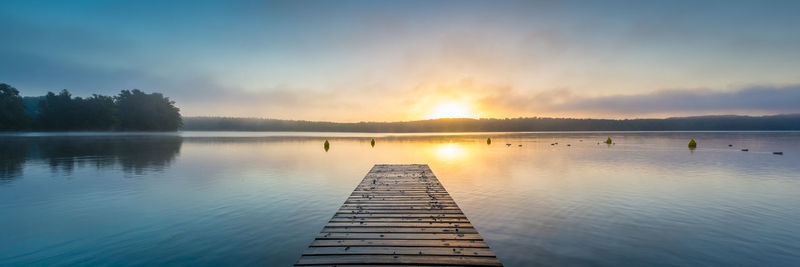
<point>430,251</point>
<point>382,265</point>
<point>407,202</point>
<point>401,198</point>
<point>390,204</point>
<point>396,189</point>
<point>400,186</point>
<point>400,224</point>
<point>419,220</point>
<point>398,230</point>
<point>434,236</point>
<point>401,243</point>
<point>401,207</point>
<point>406,212</point>
<point>419,193</point>
<point>399,215</point>
<point>306,260</point>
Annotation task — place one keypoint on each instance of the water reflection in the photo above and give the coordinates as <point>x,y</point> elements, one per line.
<point>133,154</point>
<point>12,158</point>
<point>449,151</point>
<point>260,199</point>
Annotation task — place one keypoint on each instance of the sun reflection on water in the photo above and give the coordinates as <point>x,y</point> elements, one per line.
<point>449,151</point>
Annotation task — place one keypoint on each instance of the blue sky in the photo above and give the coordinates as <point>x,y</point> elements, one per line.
<point>398,60</point>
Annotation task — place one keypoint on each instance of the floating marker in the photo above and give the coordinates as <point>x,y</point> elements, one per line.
<point>745,150</point>
<point>730,145</point>
<point>488,141</point>
<point>372,143</point>
<point>326,145</point>
<point>777,153</point>
<point>692,144</point>
<point>520,145</point>
<point>608,141</point>
<point>569,145</point>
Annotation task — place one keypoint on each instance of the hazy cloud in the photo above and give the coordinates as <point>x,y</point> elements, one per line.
<point>754,99</point>
<point>759,98</point>
<point>399,60</point>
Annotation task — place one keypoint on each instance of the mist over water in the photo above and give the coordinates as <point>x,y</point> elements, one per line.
<point>200,198</point>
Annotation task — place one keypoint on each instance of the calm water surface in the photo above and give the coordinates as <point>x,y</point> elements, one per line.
<point>260,198</point>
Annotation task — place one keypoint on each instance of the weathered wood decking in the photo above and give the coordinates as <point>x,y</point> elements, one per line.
<point>399,215</point>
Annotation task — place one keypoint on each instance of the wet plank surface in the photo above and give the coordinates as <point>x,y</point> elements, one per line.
<point>399,215</point>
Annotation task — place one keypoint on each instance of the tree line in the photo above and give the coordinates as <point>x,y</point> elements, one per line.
<point>130,110</point>
<point>701,123</point>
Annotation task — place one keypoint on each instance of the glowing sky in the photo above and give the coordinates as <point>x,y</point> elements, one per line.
<point>406,60</point>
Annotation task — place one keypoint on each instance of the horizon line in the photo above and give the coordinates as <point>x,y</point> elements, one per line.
<point>506,118</point>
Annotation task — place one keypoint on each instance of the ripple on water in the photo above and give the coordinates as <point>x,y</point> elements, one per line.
<point>250,200</point>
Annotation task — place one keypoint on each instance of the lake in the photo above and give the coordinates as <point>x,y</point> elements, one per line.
<point>219,198</point>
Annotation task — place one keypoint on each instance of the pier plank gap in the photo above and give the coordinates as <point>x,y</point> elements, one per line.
<point>399,215</point>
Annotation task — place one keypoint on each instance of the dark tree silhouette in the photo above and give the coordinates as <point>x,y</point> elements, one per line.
<point>139,111</point>
<point>12,109</point>
<point>131,110</point>
<point>57,112</point>
<point>96,113</point>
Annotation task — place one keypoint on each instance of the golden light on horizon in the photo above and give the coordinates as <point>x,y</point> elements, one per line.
<point>451,109</point>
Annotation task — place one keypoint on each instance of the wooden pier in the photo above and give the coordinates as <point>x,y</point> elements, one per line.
<point>399,215</point>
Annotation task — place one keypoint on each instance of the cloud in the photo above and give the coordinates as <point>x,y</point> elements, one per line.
<point>36,74</point>
<point>753,99</point>
<point>379,62</point>
<point>62,40</point>
<point>759,98</point>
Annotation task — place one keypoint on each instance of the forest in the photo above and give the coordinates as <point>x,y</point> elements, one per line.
<point>701,123</point>
<point>130,110</point>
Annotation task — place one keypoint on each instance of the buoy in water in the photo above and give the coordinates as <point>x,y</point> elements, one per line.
<point>326,145</point>
<point>488,141</point>
<point>608,141</point>
<point>372,143</point>
<point>692,144</point>
<point>745,150</point>
<point>777,153</point>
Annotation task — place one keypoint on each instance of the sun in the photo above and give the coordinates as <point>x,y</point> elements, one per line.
<point>451,109</point>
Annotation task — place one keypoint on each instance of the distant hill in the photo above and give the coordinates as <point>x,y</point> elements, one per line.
<point>699,123</point>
